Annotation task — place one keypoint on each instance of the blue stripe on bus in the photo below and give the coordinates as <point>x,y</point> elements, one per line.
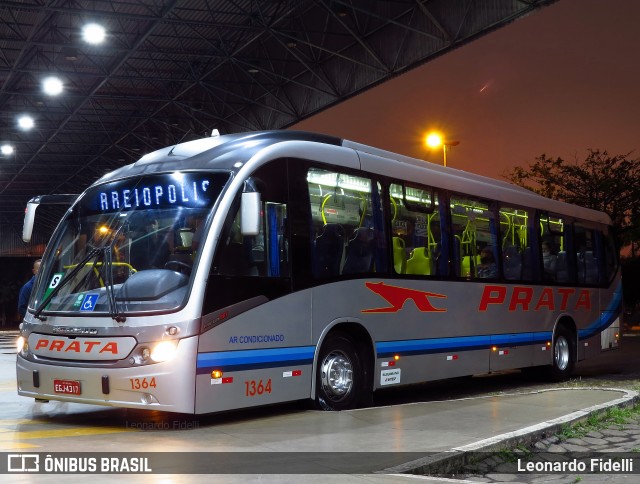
<point>262,358</point>
<point>462,343</point>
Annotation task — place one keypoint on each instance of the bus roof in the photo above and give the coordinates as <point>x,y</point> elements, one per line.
<point>436,175</point>
<point>224,153</point>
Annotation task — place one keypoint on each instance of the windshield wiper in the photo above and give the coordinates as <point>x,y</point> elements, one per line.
<point>106,252</point>
<point>108,285</point>
<point>69,277</point>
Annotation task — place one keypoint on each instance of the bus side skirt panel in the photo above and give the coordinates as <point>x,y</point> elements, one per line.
<point>250,388</point>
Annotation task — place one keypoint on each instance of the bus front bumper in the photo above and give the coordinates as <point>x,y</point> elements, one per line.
<point>167,386</point>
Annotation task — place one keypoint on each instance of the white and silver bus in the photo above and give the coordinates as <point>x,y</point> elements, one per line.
<point>257,268</point>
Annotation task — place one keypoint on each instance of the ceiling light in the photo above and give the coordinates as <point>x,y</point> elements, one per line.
<point>25,122</point>
<point>6,150</point>
<point>93,33</point>
<point>52,86</point>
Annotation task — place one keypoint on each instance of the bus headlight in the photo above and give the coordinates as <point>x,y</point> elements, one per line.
<point>164,351</point>
<point>21,345</point>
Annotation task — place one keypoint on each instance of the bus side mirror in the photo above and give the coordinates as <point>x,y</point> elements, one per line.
<point>34,203</point>
<point>250,208</point>
<point>29,218</point>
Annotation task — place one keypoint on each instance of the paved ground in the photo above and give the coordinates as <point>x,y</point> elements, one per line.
<point>592,457</point>
<point>8,342</point>
<point>574,459</point>
<point>554,447</point>
<point>468,422</point>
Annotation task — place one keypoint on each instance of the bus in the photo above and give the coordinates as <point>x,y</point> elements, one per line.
<point>251,269</point>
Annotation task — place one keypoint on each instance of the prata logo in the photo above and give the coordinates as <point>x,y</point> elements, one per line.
<point>398,296</point>
<point>23,463</point>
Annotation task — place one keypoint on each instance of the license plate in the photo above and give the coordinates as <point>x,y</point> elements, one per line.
<point>67,387</point>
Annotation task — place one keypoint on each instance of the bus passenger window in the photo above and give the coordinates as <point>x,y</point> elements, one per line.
<point>517,253</point>
<point>474,229</point>
<point>553,250</point>
<point>611,261</point>
<point>415,226</point>
<point>347,224</point>
<point>584,242</point>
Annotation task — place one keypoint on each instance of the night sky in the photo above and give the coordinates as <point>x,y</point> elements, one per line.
<point>559,81</point>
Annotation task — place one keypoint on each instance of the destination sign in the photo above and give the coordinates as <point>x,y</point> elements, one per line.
<point>190,190</point>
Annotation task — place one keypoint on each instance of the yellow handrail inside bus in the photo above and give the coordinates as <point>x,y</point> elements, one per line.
<point>95,265</point>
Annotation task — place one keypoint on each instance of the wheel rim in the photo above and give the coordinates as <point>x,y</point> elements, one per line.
<point>336,375</point>
<point>561,353</point>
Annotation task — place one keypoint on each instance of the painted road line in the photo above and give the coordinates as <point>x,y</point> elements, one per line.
<point>17,446</point>
<point>9,387</point>
<point>11,439</point>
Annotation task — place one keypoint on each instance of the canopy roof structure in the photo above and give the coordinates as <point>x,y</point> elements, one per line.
<point>173,70</point>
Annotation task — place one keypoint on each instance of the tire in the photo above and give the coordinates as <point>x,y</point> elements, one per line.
<point>339,376</point>
<point>564,355</point>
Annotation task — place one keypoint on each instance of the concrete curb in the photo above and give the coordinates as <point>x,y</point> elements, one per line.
<point>451,461</point>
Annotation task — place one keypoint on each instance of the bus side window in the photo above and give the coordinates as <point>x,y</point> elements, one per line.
<point>517,253</point>
<point>234,255</point>
<point>415,227</point>
<point>610,256</point>
<point>265,254</point>
<point>346,224</point>
<point>475,249</point>
<point>555,261</point>
<point>585,244</point>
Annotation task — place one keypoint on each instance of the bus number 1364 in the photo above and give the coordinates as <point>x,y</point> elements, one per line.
<point>253,388</point>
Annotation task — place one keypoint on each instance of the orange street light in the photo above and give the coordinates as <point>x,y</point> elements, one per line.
<point>435,140</point>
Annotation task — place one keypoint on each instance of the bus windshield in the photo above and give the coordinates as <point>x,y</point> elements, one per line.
<point>128,246</point>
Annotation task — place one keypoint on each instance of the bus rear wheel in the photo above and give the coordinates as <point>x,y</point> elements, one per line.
<point>339,379</point>
<point>564,355</point>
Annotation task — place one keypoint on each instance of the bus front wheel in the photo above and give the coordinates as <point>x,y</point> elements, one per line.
<point>339,379</point>
<point>564,355</point>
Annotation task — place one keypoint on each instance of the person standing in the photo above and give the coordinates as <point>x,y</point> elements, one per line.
<point>25,291</point>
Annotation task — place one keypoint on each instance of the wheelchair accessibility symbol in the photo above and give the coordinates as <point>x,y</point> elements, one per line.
<point>89,302</point>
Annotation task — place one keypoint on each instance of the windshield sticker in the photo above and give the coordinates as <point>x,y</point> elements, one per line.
<point>78,301</point>
<point>55,280</point>
<point>89,302</point>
